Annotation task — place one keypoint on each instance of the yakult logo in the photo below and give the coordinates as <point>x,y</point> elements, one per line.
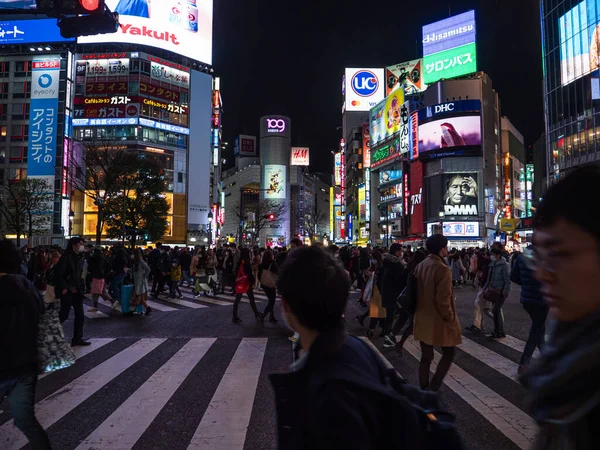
<point>275,125</point>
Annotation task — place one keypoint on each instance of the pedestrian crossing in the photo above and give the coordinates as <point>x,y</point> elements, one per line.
<point>163,304</point>
<point>208,393</point>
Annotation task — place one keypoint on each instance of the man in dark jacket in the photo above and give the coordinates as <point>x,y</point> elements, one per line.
<point>20,310</point>
<point>534,305</point>
<point>563,383</point>
<point>163,270</point>
<point>185,260</point>
<point>153,259</point>
<point>315,409</point>
<point>70,287</point>
<point>393,282</point>
<point>119,262</point>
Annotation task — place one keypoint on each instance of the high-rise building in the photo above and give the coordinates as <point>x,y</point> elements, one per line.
<point>570,47</point>
<point>121,91</point>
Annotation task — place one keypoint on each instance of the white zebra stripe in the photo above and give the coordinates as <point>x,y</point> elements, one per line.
<point>127,424</point>
<point>59,404</point>
<point>225,422</point>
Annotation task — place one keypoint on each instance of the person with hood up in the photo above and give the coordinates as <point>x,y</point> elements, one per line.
<point>564,394</point>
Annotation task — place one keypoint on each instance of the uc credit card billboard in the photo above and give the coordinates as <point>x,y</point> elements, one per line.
<point>363,88</point>
<point>180,27</point>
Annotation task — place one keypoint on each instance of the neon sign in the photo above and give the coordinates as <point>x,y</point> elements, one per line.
<point>275,125</point>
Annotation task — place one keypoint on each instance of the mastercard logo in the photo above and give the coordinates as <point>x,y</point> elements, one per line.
<point>355,103</point>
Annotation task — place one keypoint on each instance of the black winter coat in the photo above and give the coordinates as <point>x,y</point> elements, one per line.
<point>392,280</point>
<point>67,273</point>
<point>530,287</point>
<point>338,415</point>
<point>21,308</point>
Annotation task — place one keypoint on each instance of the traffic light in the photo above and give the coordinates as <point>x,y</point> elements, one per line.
<point>71,27</point>
<point>58,8</point>
<point>271,217</point>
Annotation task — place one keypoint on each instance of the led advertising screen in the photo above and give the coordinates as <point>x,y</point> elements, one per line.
<point>366,131</point>
<point>362,203</point>
<point>180,27</point>
<point>274,182</point>
<point>30,31</point>
<point>450,136</point>
<point>338,169</point>
<point>579,40</point>
<point>364,88</point>
<point>408,74</point>
<point>452,63</point>
<point>446,34</point>
<point>387,176</point>
<point>461,194</point>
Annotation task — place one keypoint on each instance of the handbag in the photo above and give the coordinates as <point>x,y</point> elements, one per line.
<point>242,283</point>
<point>268,278</point>
<point>53,351</point>
<point>493,295</point>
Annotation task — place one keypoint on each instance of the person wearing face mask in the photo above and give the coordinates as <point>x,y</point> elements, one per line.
<point>498,280</point>
<point>70,287</point>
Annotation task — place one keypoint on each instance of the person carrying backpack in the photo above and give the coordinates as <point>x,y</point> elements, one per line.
<point>340,395</point>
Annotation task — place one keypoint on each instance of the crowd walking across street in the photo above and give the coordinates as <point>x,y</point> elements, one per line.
<point>348,386</point>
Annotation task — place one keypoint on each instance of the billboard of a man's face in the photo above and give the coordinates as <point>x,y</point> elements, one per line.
<point>461,189</point>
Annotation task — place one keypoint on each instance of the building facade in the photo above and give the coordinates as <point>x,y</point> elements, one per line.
<point>570,47</point>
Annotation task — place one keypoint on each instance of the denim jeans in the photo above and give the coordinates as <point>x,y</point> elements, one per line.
<point>185,277</point>
<point>21,397</point>
<point>538,314</point>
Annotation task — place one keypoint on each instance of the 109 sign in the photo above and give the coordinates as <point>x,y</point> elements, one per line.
<point>275,125</point>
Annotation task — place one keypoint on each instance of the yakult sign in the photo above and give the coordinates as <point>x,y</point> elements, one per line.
<point>364,88</point>
<point>183,27</point>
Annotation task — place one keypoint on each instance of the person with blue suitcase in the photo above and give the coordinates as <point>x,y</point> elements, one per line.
<point>135,296</point>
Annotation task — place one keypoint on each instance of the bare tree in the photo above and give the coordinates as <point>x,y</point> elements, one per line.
<point>96,169</point>
<point>26,205</point>
<point>315,224</point>
<point>259,215</point>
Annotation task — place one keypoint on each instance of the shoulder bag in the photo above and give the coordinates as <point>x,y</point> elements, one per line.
<point>268,278</point>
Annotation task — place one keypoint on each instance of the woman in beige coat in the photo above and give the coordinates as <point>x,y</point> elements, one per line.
<point>436,321</point>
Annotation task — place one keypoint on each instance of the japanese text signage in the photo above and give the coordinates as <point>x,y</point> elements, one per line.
<point>404,128</point>
<point>450,108</point>
<point>30,32</point>
<point>176,26</point>
<point>103,68</point>
<point>451,63</point>
<point>449,33</point>
<point>166,74</point>
<point>366,146</point>
<point>43,117</point>
<point>416,198</point>
<point>456,229</point>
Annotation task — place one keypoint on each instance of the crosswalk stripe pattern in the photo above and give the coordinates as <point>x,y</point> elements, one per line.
<point>162,304</point>
<point>225,418</point>
<point>514,423</point>
<point>126,425</point>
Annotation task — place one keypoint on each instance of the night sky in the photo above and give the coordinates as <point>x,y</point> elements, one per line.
<point>288,57</point>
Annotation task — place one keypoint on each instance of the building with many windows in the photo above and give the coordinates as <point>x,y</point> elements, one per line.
<point>571,46</point>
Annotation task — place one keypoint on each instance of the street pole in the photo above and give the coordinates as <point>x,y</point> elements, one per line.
<point>241,225</point>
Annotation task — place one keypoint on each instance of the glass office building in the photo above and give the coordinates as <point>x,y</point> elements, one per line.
<point>571,54</point>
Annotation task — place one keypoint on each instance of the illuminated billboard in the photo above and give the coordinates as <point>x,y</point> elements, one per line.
<point>180,27</point>
<point>456,229</point>
<point>389,118</point>
<point>449,33</point>
<point>408,74</point>
<point>366,146</point>
<point>364,88</point>
<point>337,171</point>
<point>274,182</point>
<point>387,176</point>
<point>30,31</point>
<point>450,136</point>
<point>579,40</point>
<point>452,63</point>
<point>300,156</point>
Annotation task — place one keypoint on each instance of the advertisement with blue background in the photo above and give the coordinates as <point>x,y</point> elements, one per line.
<point>579,40</point>
<point>43,121</point>
<point>446,34</point>
<point>30,32</point>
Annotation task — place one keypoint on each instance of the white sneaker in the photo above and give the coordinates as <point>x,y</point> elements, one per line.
<point>116,305</point>
<point>294,338</point>
<point>92,309</point>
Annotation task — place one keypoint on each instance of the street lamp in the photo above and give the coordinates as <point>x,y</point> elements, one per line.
<point>210,219</point>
